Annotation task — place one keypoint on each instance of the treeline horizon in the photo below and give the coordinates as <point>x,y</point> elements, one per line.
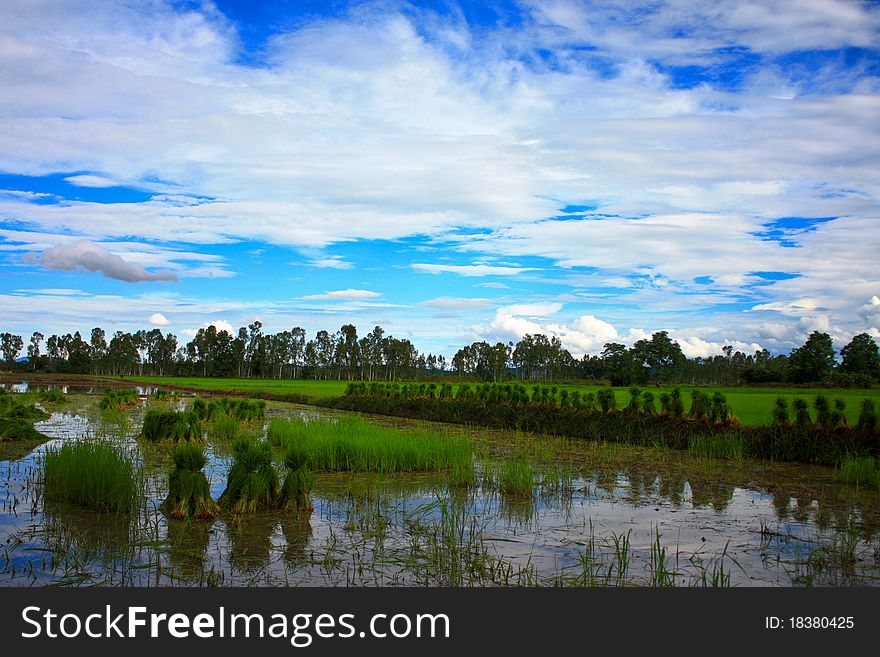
<point>343,355</point>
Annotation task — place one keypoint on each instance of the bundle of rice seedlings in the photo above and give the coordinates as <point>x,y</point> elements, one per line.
<point>171,425</point>
<point>780,412</point>
<point>252,483</point>
<point>868,417</point>
<point>189,494</point>
<point>297,484</point>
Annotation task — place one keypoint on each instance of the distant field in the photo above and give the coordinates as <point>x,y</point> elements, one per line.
<point>752,406</point>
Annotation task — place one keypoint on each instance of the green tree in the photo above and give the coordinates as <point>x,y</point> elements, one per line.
<point>861,357</point>
<point>813,361</point>
<point>11,345</point>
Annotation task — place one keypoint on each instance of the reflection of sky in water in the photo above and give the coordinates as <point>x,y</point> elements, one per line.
<point>361,531</point>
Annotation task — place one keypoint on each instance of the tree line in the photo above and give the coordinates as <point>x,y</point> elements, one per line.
<point>343,355</point>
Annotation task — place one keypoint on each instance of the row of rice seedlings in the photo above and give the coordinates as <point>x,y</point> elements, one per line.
<point>828,417</point>
<point>859,471</point>
<point>171,425</point>
<point>118,399</point>
<point>189,493</point>
<point>243,410</point>
<point>355,445</point>
<point>717,446</point>
<point>93,474</point>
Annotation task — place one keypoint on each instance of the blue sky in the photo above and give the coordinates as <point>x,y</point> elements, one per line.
<point>453,171</point>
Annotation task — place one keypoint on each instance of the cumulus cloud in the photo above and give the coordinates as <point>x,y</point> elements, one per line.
<point>158,319</point>
<point>92,257</point>
<point>586,334</point>
<point>346,295</point>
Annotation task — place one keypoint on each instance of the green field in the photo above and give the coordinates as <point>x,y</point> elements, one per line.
<point>753,406</point>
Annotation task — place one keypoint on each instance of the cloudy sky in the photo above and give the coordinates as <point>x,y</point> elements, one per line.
<point>450,170</point>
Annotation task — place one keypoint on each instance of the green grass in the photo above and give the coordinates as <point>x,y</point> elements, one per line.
<point>752,406</point>
<point>717,447</point>
<point>860,471</point>
<point>516,477</point>
<point>224,427</point>
<point>95,475</point>
<point>354,445</point>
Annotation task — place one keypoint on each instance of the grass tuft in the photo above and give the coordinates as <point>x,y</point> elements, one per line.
<point>91,474</point>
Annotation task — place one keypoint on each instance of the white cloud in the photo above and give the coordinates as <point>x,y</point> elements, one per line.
<point>348,295</point>
<point>455,303</point>
<point>333,262</point>
<point>533,309</point>
<point>90,256</point>
<point>158,319</point>
<point>85,180</point>
<point>469,270</point>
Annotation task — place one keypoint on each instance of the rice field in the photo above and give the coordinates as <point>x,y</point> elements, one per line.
<point>751,406</point>
<point>343,500</point>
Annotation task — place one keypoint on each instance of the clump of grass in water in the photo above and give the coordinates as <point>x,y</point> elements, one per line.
<point>54,396</point>
<point>224,427</point>
<point>90,474</point>
<point>354,445</point>
<point>515,477</point>
<point>252,483</point>
<point>294,495</point>
<point>171,425</point>
<point>189,494</point>
<point>853,470</point>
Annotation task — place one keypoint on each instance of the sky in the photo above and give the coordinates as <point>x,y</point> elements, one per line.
<point>451,171</point>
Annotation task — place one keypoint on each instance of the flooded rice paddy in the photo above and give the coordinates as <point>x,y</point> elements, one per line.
<point>598,514</point>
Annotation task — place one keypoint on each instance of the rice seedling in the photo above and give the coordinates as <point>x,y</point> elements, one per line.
<point>633,407</point>
<point>93,474</point>
<point>801,413</point>
<point>823,411</point>
<point>648,403</point>
<point>171,425</point>
<point>294,494</point>
<point>855,470</point>
<point>868,417</point>
<point>606,399</point>
<point>780,412</point>
<point>353,444</point>
<point>515,477</point>
<point>224,427</point>
<point>54,396</point>
<point>189,493</point>
<point>118,399</point>
<point>252,483</point>
<point>661,575</point>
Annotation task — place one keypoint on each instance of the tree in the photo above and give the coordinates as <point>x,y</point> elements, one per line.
<point>33,350</point>
<point>813,361</point>
<point>11,345</point>
<point>861,358</point>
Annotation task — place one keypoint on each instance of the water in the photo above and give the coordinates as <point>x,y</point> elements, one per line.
<point>598,514</point>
